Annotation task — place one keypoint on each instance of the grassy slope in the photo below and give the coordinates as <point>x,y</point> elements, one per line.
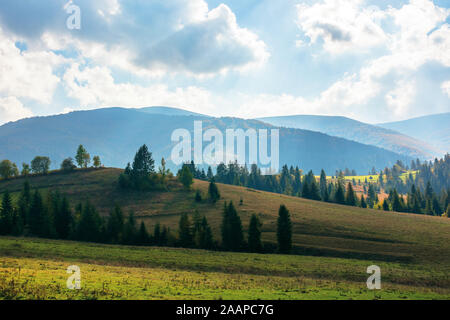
<point>412,250</point>
<point>36,269</point>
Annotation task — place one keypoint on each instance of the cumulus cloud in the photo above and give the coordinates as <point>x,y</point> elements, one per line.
<point>11,109</point>
<point>421,35</point>
<point>342,25</point>
<point>27,74</point>
<point>94,87</point>
<point>158,36</point>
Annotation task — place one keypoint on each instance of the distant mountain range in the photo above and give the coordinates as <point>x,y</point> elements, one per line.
<point>360,132</point>
<point>435,129</point>
<point>116,133</point>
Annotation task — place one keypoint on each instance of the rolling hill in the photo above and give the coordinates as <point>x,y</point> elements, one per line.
<point>116,133</point>
<point>350,129</point>
<point>335,245</point>
<point>434,129</point>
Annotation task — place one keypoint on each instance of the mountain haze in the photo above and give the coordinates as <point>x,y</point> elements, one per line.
<point>434,129</point>
<point>116,133</point>
<point>360,132</point>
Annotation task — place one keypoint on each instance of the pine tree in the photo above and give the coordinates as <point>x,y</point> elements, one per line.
<point>314,191</point>
<point>157,234</point>
<point>130,232</point>
<point>339,196</point>
<point>142,237</point>
<point>35,215</point>
<point>184,231</point>
<point>63,219</point>
<point>115,225</point>
<point>284,230</point>
<point>206,238</point>
<point>254,234</point>
<point>90,224</point>
<point>323,186</point>
<point>396,202</point>
<point>6,214</point>
<point>350,197</point>
<point>213,192</point>
<point>363,203</point>
<point>185,177</point>
<point>198,196</point>
<point>386,205</point>
<point>232,233</point>
<point>25,202</point>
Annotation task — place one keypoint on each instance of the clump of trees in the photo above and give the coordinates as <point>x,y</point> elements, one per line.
<point>40,165</point>
<point>141,175</point>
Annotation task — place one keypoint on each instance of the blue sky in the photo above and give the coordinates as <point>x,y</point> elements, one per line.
<point>375,61</point>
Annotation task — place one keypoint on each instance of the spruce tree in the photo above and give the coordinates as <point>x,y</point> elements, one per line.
<point>142,237</point>
<point>157,234</point>
<point>184,231</point>
<point>232,233</point>
<point>284,230</point>
<point>63,219</point>
<point>25,202</point>
<point>90,224</point>
<point>323,186</point>
<point>350,197</point>
<point>185,176</point>
<point>339,196</point>
<point>6,214</point>
<point>206,238</point>
<point>213,192</point>
<point>386,205</point>
<point>115,225</point>
<point>363,203</point>
<point>36,212</point>
<point>130,231</point>
<point>254,234</point>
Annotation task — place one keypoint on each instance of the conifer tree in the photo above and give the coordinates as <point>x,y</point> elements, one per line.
<point>115,225</point>
<point>363,203</point>
<point>6,214</point>
<point>284,230</point>
<point>232,233</point>
<point>339,196</point>
<point>206,238</point>
<point>213,192</point>
<point>184,231</point>
<point>142,237</point>
<point>350,197</point>
<point>254,234</point>
<point>90,224</point>
<point>63,219</point>
<point>386,205</point>
<point>130,231</point>
<point>157,234</point>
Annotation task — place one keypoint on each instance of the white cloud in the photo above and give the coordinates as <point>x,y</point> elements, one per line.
<point>401,97</point>
<point>27,74</point>
<point>11,109</point>
<point>422,36</point>
<point>96,87</point>
<point>342,25</point>
<point>146,37</point>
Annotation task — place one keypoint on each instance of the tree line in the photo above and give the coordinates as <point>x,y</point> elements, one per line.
<point>40,165</point>
<point>51,216</point>
<point>425,192</point>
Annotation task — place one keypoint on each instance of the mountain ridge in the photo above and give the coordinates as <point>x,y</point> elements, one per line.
<point>361,132</point>
<point>116,133</point>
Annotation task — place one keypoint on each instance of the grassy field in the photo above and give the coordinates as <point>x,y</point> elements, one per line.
<point>336,244</point>
<point>36,269</point>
